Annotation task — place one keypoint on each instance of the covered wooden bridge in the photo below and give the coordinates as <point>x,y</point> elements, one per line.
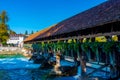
<point>92,35</point>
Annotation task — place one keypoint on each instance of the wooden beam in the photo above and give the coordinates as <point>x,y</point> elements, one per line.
<point>83,36</point>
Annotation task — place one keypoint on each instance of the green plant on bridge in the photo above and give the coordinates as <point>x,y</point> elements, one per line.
<point>94,46</point>
<point>108,49</point>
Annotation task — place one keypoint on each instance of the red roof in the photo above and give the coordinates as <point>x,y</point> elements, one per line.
<point>35,35</point>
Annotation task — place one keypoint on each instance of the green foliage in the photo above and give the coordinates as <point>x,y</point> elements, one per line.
<point>118,46</point>
<point>76,46</point>
<point>26,32</point>
<point>65,46</point>
<point>10,55</point>
<point>27,45</point>
<point>40,46</point>
<point>3,27</point>
<point>107,47</point>
<point>3,17</point>
<point>94,46</point>
<point>59,46</point>
<point>44,46</point>
<point>73,45</point>
<point>32,32</point>
<point>85,47</point>
<point>4,43</point>
<point>3,33</point>
<point>12,32</point>
<point>70,44</point>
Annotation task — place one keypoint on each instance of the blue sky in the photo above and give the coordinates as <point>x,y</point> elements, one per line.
<point>35,15</point>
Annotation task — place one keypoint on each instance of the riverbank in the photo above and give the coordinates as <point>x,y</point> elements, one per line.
<point>16,55</point>
<point>13,52</point>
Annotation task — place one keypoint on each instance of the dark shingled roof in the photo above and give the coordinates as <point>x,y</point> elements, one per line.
<point>104,13</point>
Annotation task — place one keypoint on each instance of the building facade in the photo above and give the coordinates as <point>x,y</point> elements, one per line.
<point>16,40</point>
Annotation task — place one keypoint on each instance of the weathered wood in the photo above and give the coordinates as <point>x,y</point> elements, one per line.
<point>84,36</point>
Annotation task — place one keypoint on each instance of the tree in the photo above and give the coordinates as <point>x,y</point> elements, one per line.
<point>3,27</point>
<point>3,17</point>
<point>36,31</point>
<point>12,32</point>
<point>3,33</point>
<point>26,32</point>
<point>32,32</point>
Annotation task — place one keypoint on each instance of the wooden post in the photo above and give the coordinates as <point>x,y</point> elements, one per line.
<point>87,39</point>
<point>67,46</point>
<point>93,39</point>
<point>88,56</point>
<point>78,53</point>
<point>118,37</point>
<point>109,38</point>
<point>83,64</point>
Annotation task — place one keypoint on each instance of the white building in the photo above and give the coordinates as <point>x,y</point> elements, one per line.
<point>16,40</point>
